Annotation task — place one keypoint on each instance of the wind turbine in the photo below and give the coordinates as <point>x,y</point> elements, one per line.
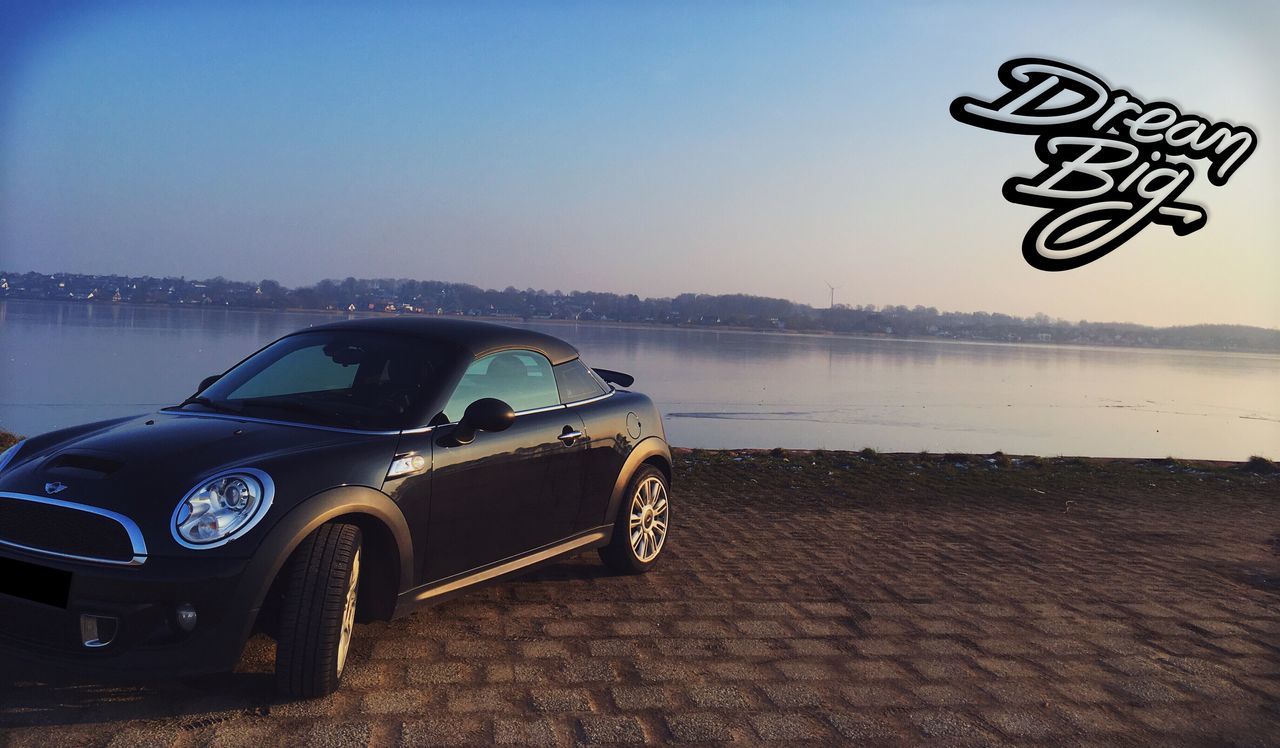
<point>833,294</point>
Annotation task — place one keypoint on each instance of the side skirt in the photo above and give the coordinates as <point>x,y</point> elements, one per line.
<point>439,591</point>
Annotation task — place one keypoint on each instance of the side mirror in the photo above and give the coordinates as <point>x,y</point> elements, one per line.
<point>485,414</point>
<point>204,383</point>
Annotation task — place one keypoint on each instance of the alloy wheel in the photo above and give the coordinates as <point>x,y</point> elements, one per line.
<point>349,612</point>
<point>648,521</point>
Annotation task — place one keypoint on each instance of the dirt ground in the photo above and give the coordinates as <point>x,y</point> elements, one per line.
<point>822,597</point>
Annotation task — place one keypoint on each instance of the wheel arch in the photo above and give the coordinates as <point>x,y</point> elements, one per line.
<point>651,451</point>
<point>387,543</point>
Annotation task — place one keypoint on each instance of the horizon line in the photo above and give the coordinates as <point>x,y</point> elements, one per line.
<point>879,308</point>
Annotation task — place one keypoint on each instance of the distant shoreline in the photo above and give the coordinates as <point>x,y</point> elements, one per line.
<point>508,319</point>
<point>1257,464</point>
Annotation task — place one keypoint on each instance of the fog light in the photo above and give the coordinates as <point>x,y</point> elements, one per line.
<point>186,617</point>
<point>97,631</point>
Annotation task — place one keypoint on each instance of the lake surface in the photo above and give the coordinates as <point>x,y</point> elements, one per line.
<point>66,363</point>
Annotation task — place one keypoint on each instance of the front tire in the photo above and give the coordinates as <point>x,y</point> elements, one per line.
<point>643,524</point>
<point>317,614</point>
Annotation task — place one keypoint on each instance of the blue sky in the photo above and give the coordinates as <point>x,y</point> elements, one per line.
<point>654,148</point>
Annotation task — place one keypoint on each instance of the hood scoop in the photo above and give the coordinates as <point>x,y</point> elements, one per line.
<point>80,465</point>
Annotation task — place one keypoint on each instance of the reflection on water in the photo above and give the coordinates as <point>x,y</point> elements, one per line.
<point>68,363</point>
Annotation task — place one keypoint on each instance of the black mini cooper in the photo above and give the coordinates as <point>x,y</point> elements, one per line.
<point>345,472</point>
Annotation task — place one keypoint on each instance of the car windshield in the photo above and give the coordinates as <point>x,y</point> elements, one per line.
<point>340,378</point>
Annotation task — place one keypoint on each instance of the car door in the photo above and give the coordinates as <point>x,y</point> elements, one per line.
<point>504,493</point>
<point>605,423</point>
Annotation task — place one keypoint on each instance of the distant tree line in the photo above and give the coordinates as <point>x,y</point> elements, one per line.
<point>405,296</point>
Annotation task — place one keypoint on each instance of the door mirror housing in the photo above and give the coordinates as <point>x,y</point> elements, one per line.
<point>204,383</point>
<point>485,414</point>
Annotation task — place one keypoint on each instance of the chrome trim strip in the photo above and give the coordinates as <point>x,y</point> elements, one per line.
<point>253,419</point>
<point>138,545</point>
<point>590,400</point>
<point>420,430</point>
<point>515,564</point>
<point>268,495</point>
<point>518,413</point>
<point>531,411</point>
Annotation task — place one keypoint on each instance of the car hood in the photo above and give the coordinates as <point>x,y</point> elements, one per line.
<point>141,467</point>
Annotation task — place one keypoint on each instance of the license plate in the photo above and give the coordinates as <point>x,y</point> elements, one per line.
<point>34,582</point>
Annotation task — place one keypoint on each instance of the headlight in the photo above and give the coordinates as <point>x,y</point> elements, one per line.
<point>7,455</point>
<point>222,508</point>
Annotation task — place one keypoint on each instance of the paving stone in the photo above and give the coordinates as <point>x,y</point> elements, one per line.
<point>791,695</point>
<point>338,735</point>
<point>780,726</point>
<point>663,671</point>
<point>865,726</point>
<point>807,670</point>
<point>944,694</point>
<point>1088,719</point>
<point>479,700</point>
<point>1150,691</point>
<point>394,701</point>
<point>560,700</point>
<point>588,671</point>
<point>880,669</point>
<point>442,731</point>
<point>614,647</point>
<point>699,728</point>
<point>1022,723</point>
<point>603,729</point>
<point>524,732</point>
<point>635,698</point>
<point>441,673</point>
<point>717,696</point>
<point>945,723</point>
<point>875,695</point>
<point>762,627</point>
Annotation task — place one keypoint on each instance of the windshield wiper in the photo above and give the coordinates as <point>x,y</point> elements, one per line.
<point>206,402</point>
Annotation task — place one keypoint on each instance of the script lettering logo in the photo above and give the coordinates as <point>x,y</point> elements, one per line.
<point>1113,163</point>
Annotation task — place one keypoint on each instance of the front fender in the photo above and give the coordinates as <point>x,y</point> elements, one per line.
<point>645,450</point>
<point>365,506</point>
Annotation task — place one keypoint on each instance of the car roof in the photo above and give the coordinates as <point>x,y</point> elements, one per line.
<point>476,338</point>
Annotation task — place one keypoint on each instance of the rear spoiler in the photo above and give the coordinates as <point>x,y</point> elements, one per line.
<point>615,377</point>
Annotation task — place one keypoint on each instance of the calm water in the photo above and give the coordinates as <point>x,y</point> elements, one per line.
<point>69,363</point>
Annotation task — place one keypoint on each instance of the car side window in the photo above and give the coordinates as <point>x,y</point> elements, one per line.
<point>521,379</point>
<point>576,382</point>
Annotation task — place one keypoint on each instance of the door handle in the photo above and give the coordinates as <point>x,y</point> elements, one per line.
<point>569,436</point>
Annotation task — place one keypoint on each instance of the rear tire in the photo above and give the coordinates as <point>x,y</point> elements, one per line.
<point>642,526</point>
<point>318,612</point>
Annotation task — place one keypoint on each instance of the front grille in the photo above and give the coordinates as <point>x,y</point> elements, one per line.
<point>35,524</point>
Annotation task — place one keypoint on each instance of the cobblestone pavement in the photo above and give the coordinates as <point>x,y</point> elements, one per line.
<point>833,598</point>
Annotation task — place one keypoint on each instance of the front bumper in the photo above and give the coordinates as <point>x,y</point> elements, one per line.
<point>135,610</point>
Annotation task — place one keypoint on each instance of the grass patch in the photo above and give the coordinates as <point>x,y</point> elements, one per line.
<point>1261,465</point>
